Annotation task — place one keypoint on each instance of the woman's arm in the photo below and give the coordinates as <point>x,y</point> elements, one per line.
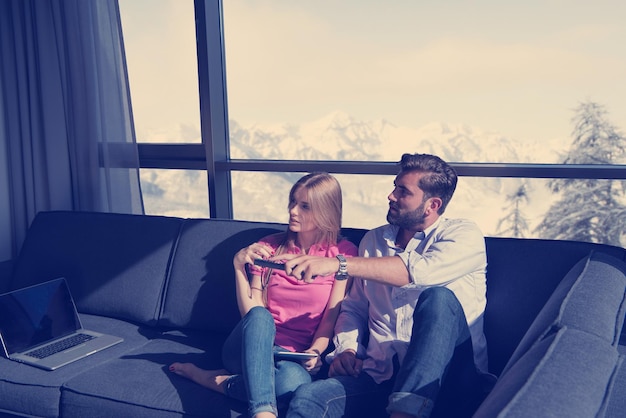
<point>249,293</point>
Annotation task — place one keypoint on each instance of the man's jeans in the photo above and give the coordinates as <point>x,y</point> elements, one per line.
<point>440,341</point>
<point>258,379</point>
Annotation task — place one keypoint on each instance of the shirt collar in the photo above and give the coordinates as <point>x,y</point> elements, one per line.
<point>392,231</point>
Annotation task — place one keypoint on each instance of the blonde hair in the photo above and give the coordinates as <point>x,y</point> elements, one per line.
<point>324,195</point>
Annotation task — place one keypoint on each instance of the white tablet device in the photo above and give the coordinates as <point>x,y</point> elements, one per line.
<point>291,355</point>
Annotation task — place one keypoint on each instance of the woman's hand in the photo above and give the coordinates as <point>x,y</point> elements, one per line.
<point>250,253</point>
<point>312,365</point>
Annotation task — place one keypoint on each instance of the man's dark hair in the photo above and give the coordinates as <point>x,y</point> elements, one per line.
<point>439,180</point>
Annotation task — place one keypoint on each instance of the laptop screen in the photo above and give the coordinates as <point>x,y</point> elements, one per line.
<point>37,314</point>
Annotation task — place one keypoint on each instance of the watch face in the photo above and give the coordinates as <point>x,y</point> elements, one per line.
<point>342,273</point>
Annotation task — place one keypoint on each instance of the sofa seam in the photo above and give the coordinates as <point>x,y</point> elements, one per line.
<point>564,303</point>
<point>609,387</point>
<point>513,401</point>
<point>168,272</point>
<point>558,322</point>
<point>617,329</point>
<point>110,399</point>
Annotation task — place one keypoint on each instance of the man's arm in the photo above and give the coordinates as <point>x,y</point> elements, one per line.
<point>457,250</point>
<point>387,270</point>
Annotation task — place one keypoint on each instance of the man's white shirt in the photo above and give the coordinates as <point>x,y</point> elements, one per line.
<point>449,253</point>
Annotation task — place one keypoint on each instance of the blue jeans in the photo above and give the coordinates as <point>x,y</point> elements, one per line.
<point>440,343</point>
<point>257,379</point>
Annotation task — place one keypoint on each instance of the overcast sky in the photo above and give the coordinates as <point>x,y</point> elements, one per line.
<point>518,68</point>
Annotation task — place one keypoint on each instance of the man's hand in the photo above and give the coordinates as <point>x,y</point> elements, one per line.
<point>345,364</point>
<point>306,267</point>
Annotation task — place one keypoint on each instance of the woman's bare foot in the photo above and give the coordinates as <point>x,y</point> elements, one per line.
<point>265,415</point>
<point>212,379</point>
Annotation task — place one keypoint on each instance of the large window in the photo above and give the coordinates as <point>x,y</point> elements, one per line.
<point>483,81</point>
<point>515,95</point>
<point>160,43</point>
<point>369,80</point>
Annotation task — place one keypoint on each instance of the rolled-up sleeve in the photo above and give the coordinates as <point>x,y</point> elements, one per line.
<point>446,255</point>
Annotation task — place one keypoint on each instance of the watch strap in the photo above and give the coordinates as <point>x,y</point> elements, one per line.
<point>342,273</point>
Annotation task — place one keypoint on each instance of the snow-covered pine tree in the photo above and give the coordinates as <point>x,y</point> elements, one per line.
<point>514,223</point>
<point>590,210</point>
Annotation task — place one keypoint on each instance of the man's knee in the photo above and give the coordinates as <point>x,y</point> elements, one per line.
<point>436,298</point>
<point>313,389</point>
<point>439,309</point>
<point>306,401</point>
<point>439,306</point>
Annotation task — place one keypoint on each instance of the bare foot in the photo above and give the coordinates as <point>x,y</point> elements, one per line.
<point>212,379</point>
<point>265,415</point>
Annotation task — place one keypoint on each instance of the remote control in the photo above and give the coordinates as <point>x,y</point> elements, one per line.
<point>266,263</point>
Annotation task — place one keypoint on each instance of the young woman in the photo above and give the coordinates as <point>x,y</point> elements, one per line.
<point>281,312</point>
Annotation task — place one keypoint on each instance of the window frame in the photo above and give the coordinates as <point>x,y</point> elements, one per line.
<point>213,154</point>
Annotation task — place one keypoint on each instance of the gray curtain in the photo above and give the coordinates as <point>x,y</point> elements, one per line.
<point>66,130</point>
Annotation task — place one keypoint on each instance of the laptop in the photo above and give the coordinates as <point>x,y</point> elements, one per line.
<point>39,325</point>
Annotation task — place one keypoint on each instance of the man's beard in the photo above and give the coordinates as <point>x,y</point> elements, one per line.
<point>410,220</point>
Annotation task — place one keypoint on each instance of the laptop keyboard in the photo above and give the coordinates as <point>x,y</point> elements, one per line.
<point>59,346</point>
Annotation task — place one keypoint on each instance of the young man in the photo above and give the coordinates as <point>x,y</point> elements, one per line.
<point>410,331</point>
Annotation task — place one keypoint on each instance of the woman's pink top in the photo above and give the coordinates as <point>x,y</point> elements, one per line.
<point>297,306</point>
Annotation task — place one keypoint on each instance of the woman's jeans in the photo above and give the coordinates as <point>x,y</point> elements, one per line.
<point>440,342</point>
<point>248,353</point>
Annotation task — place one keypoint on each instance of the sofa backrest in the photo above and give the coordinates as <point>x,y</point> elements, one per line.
<point>522,274</point>
<point>201,288</point>
<point>200,291</point>
<point>115,264</point>
<point>175,272</point>
<point>154,270</point>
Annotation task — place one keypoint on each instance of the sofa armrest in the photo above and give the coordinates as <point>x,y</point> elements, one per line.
<point>566,374</point>
<point>568,360</point>
<point>617,394</point>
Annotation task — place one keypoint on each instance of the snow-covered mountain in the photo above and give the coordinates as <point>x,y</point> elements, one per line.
<point>339,136</point>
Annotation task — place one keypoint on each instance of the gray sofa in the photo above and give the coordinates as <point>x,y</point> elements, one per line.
<point>553,320</point>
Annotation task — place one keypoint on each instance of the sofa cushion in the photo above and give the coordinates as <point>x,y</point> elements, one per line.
<point>115,264</point>
<point>201,286</point>
<point>139,383</point>
<point>567,374</point>
<point>35,392</point>
<point>591,298</point>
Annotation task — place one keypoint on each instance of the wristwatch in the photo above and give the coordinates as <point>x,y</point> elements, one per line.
<point>342,273</point>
